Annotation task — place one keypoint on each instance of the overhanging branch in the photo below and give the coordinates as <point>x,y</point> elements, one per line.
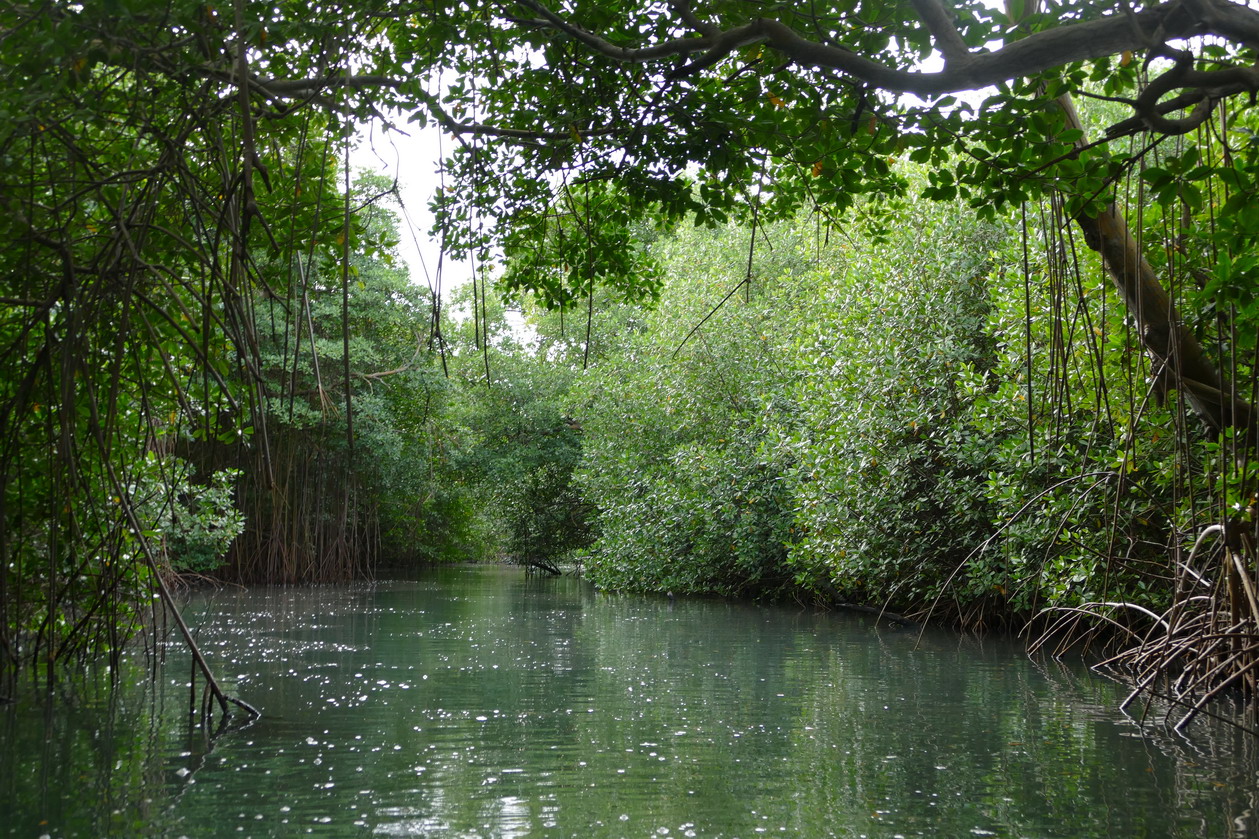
<point>963,70</point>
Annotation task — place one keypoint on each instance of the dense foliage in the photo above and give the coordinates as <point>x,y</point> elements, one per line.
<point>192,283</point>
<point>353,469</point>
<point>516,448</point>
<point>689,500</point>
<point>853,424</point>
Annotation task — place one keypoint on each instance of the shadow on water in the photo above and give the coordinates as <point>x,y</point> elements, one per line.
<point>481,702</point>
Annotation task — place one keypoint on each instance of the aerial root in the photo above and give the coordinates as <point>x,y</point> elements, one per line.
<point>1203,648</point>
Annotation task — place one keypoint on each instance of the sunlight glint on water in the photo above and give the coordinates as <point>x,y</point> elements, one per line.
<point>480,703</point>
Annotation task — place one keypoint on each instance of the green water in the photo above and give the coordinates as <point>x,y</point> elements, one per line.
<point>480,703</point>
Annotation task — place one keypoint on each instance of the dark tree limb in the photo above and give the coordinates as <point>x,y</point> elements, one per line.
<point>937,20</point>
<point>963,70</point>
<point>1178,357</point>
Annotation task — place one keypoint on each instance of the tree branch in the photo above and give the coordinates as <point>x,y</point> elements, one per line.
<point>703,27</point>
<point>962,70</point>
<point>1153,115</point>
<point>667,49</point>
<point>933,14</point>
<point>293,88</point>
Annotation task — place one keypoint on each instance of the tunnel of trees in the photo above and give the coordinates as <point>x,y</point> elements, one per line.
<point>930,306</point>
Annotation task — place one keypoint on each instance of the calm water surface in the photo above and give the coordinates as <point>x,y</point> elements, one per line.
<point>475,702</point>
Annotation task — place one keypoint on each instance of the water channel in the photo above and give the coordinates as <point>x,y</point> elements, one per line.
<point>477,702</point>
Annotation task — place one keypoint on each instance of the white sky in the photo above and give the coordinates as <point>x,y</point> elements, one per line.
<point>411,155</point>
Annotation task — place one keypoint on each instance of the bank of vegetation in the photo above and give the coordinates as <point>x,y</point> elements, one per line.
<point>788,331</point>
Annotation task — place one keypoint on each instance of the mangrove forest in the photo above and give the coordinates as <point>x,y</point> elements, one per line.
<point>941,312</point>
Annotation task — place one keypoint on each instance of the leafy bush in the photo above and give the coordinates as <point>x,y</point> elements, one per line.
<point>200,522</point>
<point>900,419</point>
<point>690,499</point>
<point>889,481</point>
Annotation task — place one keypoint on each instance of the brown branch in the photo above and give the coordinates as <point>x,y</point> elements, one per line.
<point>636,55</point>
<point>962,70</point>
<point>687,16</point>
<point>1162,334</point>
<point>933,14</point>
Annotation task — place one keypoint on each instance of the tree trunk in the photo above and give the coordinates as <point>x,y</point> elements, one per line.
<point>1179,360</point>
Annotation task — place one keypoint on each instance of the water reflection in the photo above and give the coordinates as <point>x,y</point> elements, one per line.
<point>477,702</point>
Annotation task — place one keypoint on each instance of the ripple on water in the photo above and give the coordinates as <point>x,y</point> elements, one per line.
<point>479,704</point>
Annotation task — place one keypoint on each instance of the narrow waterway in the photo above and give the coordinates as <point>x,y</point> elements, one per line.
<point>476,702</point>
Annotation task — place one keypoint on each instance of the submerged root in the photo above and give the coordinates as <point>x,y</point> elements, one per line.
<point>1203,648</point>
